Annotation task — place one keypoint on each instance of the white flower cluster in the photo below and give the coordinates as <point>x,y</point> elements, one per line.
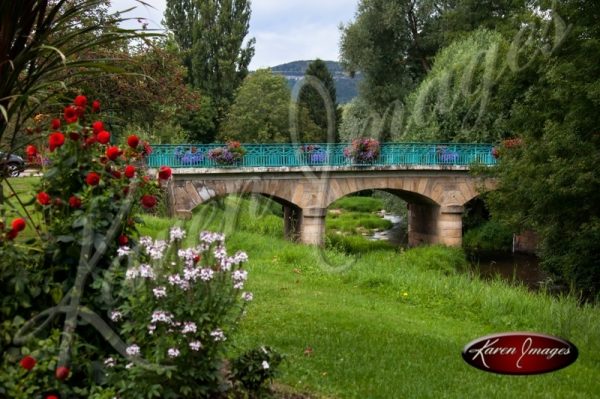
<point>144,271</point>
<point>210,237</point>
<point>206,274</point>
<point>218,335</point>
<point>159,292</point>
<point>176,280</point>
<point>189,256</point>
<point>265,365</point>
<point>173,352</point>
<point>189,327</point>
<point>133,350</point>
<point>195,345</point>
<point>239,277</point>
<point>162,316</point>
<point>116,316</point>
<point>247,296</point>
<point>155,249</point>
<point>177,234</point>
<point>123,251</point>
<point>110,362</point>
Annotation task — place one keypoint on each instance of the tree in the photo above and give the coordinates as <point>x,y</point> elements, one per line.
<point>261,111</point>
<point>388,44</point>
<point>359,120</point>
<point>549,180</point>
<point>459,98</point>
<point>152,93</point>
<point>310,99</point>
<point>393,42</point>
<point>212,33</point>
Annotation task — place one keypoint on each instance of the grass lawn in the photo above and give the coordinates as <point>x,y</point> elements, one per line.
<point>391,324</point>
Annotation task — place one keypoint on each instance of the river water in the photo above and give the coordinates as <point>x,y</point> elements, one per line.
<point>516,268</point>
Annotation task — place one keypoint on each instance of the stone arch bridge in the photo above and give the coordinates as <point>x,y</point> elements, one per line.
<point>435,185</point>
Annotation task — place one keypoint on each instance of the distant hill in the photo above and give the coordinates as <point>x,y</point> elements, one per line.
<point>345,86</point>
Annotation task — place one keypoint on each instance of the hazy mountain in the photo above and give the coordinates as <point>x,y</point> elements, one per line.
<point>345,86</point>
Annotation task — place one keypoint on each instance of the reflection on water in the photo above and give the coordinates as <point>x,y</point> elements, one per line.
<point>518,268</point>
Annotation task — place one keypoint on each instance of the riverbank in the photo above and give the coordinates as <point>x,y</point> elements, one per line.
<point>389,323</point>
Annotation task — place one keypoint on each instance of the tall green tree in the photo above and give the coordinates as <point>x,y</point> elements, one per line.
<point>393,42</point>
<point>261,112</point>
<point>459,99</point>
<point>317,103</point>
<point>212,33</point>
<point>549,181</point>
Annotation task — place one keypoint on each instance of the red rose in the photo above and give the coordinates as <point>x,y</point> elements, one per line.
<point>56,140</point>
<point>116,174</point>
<point>123,240</point>
<point>71,114</point>
<point>74,136</point>
<point>98,126</point>
<point>52,396</point>
<point>74,202</point>
<point>164,173</point>
<point>133,141</point>
<point>55,124</point>
<point>103,137</point>
<point>92,179</point>
<point>58,201</point>
<point>27,363</point>
<point>43,198</point>
<point>31,151</point>
<point>12,234</point>
<point>62,372</point>
<point>95,106</point>
<point>148,201</point>
<point>80,101</point>
<point>113,152</point>
<point>129,171</point>
<point>89,141</point>
<point>18,224</point>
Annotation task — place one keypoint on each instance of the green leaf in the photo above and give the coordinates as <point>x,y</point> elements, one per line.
<point>65,238</point>
<point>56,293</point>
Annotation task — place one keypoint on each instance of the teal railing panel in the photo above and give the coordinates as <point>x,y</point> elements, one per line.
<point>318,154</point>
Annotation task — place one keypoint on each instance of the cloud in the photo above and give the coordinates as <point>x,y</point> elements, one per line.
<point>285,30</point>
<point>302,43</point>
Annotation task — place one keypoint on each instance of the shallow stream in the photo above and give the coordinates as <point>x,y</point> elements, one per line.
<point>518,268</point>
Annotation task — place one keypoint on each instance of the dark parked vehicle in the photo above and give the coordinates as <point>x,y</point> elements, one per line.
<point>11,165</point>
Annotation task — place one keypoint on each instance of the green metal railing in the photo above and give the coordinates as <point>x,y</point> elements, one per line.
<point>291,155</point>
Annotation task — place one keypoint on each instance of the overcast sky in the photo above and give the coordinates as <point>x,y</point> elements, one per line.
<point>285,30</point>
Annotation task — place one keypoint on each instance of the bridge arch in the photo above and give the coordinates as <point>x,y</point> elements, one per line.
<point>436,197</point>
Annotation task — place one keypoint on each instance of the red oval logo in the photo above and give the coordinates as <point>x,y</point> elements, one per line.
<point>520,353</point>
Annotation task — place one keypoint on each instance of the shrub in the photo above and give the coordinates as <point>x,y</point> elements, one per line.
<point>253,368</point>
<point>85,200</point>
<point>487,238</point>
<point>178,311</point>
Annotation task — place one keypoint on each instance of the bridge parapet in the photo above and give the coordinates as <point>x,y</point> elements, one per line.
<point>317,155</point>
